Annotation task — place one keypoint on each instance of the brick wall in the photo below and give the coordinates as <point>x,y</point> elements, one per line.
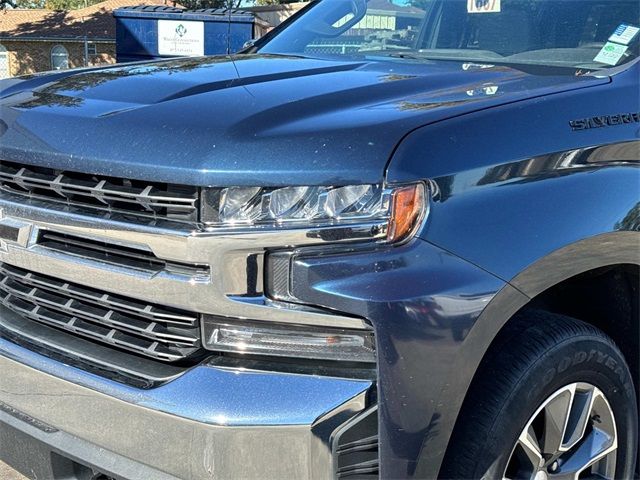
<point>27,57</point>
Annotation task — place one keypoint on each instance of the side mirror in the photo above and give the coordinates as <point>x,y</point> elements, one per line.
<point>249,44</point>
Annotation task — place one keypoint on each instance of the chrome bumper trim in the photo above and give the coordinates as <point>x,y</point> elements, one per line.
<point>233,424</point>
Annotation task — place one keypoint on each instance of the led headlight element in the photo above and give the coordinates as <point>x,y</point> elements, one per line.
<point>350,200</point>
<point>253,205</point>
<point>240,204</point>
<point>292,203</point>
<point>401,208</point>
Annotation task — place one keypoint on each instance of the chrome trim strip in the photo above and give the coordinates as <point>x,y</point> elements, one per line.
<point>235,423</point>
<point>233,289</point>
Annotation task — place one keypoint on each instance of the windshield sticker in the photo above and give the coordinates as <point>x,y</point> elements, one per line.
<point>611,53</point>
<point>624,34</point>
<point>483,6</point>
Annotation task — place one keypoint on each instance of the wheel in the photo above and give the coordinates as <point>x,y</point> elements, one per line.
<point>553,400</point>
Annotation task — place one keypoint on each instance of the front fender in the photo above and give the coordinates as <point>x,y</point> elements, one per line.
<point>519,194</point>
<point>603,250</point>
<point>516,183</point>
<point>421,301</point>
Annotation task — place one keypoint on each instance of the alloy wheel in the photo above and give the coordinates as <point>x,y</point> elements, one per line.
<point>571,436</point>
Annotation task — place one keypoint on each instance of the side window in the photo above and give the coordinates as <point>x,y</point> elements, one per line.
<point>59,58</point>
<point>4,62</point>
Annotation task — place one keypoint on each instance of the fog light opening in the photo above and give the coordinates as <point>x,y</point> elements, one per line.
<point>289,341</point>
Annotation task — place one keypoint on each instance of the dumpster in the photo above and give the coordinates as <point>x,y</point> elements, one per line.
<point>152,32</point>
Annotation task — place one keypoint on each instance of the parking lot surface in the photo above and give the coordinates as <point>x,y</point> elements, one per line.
<point>8,473</point>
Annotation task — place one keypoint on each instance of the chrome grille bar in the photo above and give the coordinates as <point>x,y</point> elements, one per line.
<point>148,330</point>
<point>101,193</point>
<point>116,254</point>
<point>114,302</point>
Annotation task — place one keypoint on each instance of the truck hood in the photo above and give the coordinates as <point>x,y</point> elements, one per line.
<point>247,120</point>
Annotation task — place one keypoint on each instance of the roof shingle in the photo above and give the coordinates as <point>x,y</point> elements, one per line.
<point>94,22</point>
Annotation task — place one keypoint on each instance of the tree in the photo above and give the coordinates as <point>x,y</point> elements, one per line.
<point>69,4</point>
<point>275,2</point>
<point>49,4</point>
<point>21,4</point>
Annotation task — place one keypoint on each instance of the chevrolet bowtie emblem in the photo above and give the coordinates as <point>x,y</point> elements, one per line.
<point>13,232</point>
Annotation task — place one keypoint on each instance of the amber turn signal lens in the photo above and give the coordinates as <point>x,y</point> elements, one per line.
<point>408,206</point>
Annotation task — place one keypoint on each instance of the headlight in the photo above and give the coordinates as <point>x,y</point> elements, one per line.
<point>325,215</point>
<point>399,208</point>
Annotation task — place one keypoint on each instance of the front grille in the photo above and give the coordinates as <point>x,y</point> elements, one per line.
<point>101,193</point>
<point>154,331</point>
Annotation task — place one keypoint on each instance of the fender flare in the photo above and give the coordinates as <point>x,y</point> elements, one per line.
<point>608,249</point>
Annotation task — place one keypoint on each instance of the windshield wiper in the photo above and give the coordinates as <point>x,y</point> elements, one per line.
<point>393,53</point>
<point>412,56</point>
<point>416,55</point>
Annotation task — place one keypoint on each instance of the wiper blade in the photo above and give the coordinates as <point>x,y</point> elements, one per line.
<point>412,56</point>
<point>393,54</point>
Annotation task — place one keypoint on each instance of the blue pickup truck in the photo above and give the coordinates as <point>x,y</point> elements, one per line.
<point>386,240</point>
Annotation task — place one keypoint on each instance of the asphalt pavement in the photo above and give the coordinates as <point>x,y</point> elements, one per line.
<point>8,473</point>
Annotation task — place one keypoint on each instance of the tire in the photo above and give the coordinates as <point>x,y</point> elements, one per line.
<point>535,363</point>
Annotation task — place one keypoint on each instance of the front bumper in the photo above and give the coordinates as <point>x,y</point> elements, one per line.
<point>208,421</point>
<point>233,423</point>
<point>213,422</point>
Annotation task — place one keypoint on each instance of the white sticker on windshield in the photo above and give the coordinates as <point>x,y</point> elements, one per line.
<point>611,53</point>
<point>483,6</point>
<point>624,34</point>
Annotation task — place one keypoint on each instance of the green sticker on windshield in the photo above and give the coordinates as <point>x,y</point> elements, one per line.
<point>611,53</point>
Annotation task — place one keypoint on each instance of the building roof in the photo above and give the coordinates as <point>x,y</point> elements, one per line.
<point>94,22</point>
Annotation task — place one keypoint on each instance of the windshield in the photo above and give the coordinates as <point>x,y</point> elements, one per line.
<point>576,35</point>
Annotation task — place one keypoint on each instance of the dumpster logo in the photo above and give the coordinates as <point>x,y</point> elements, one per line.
<point>181,30</point>
<point>178,38</point>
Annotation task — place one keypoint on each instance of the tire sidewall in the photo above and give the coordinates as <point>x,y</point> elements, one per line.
<point>579,359</point>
